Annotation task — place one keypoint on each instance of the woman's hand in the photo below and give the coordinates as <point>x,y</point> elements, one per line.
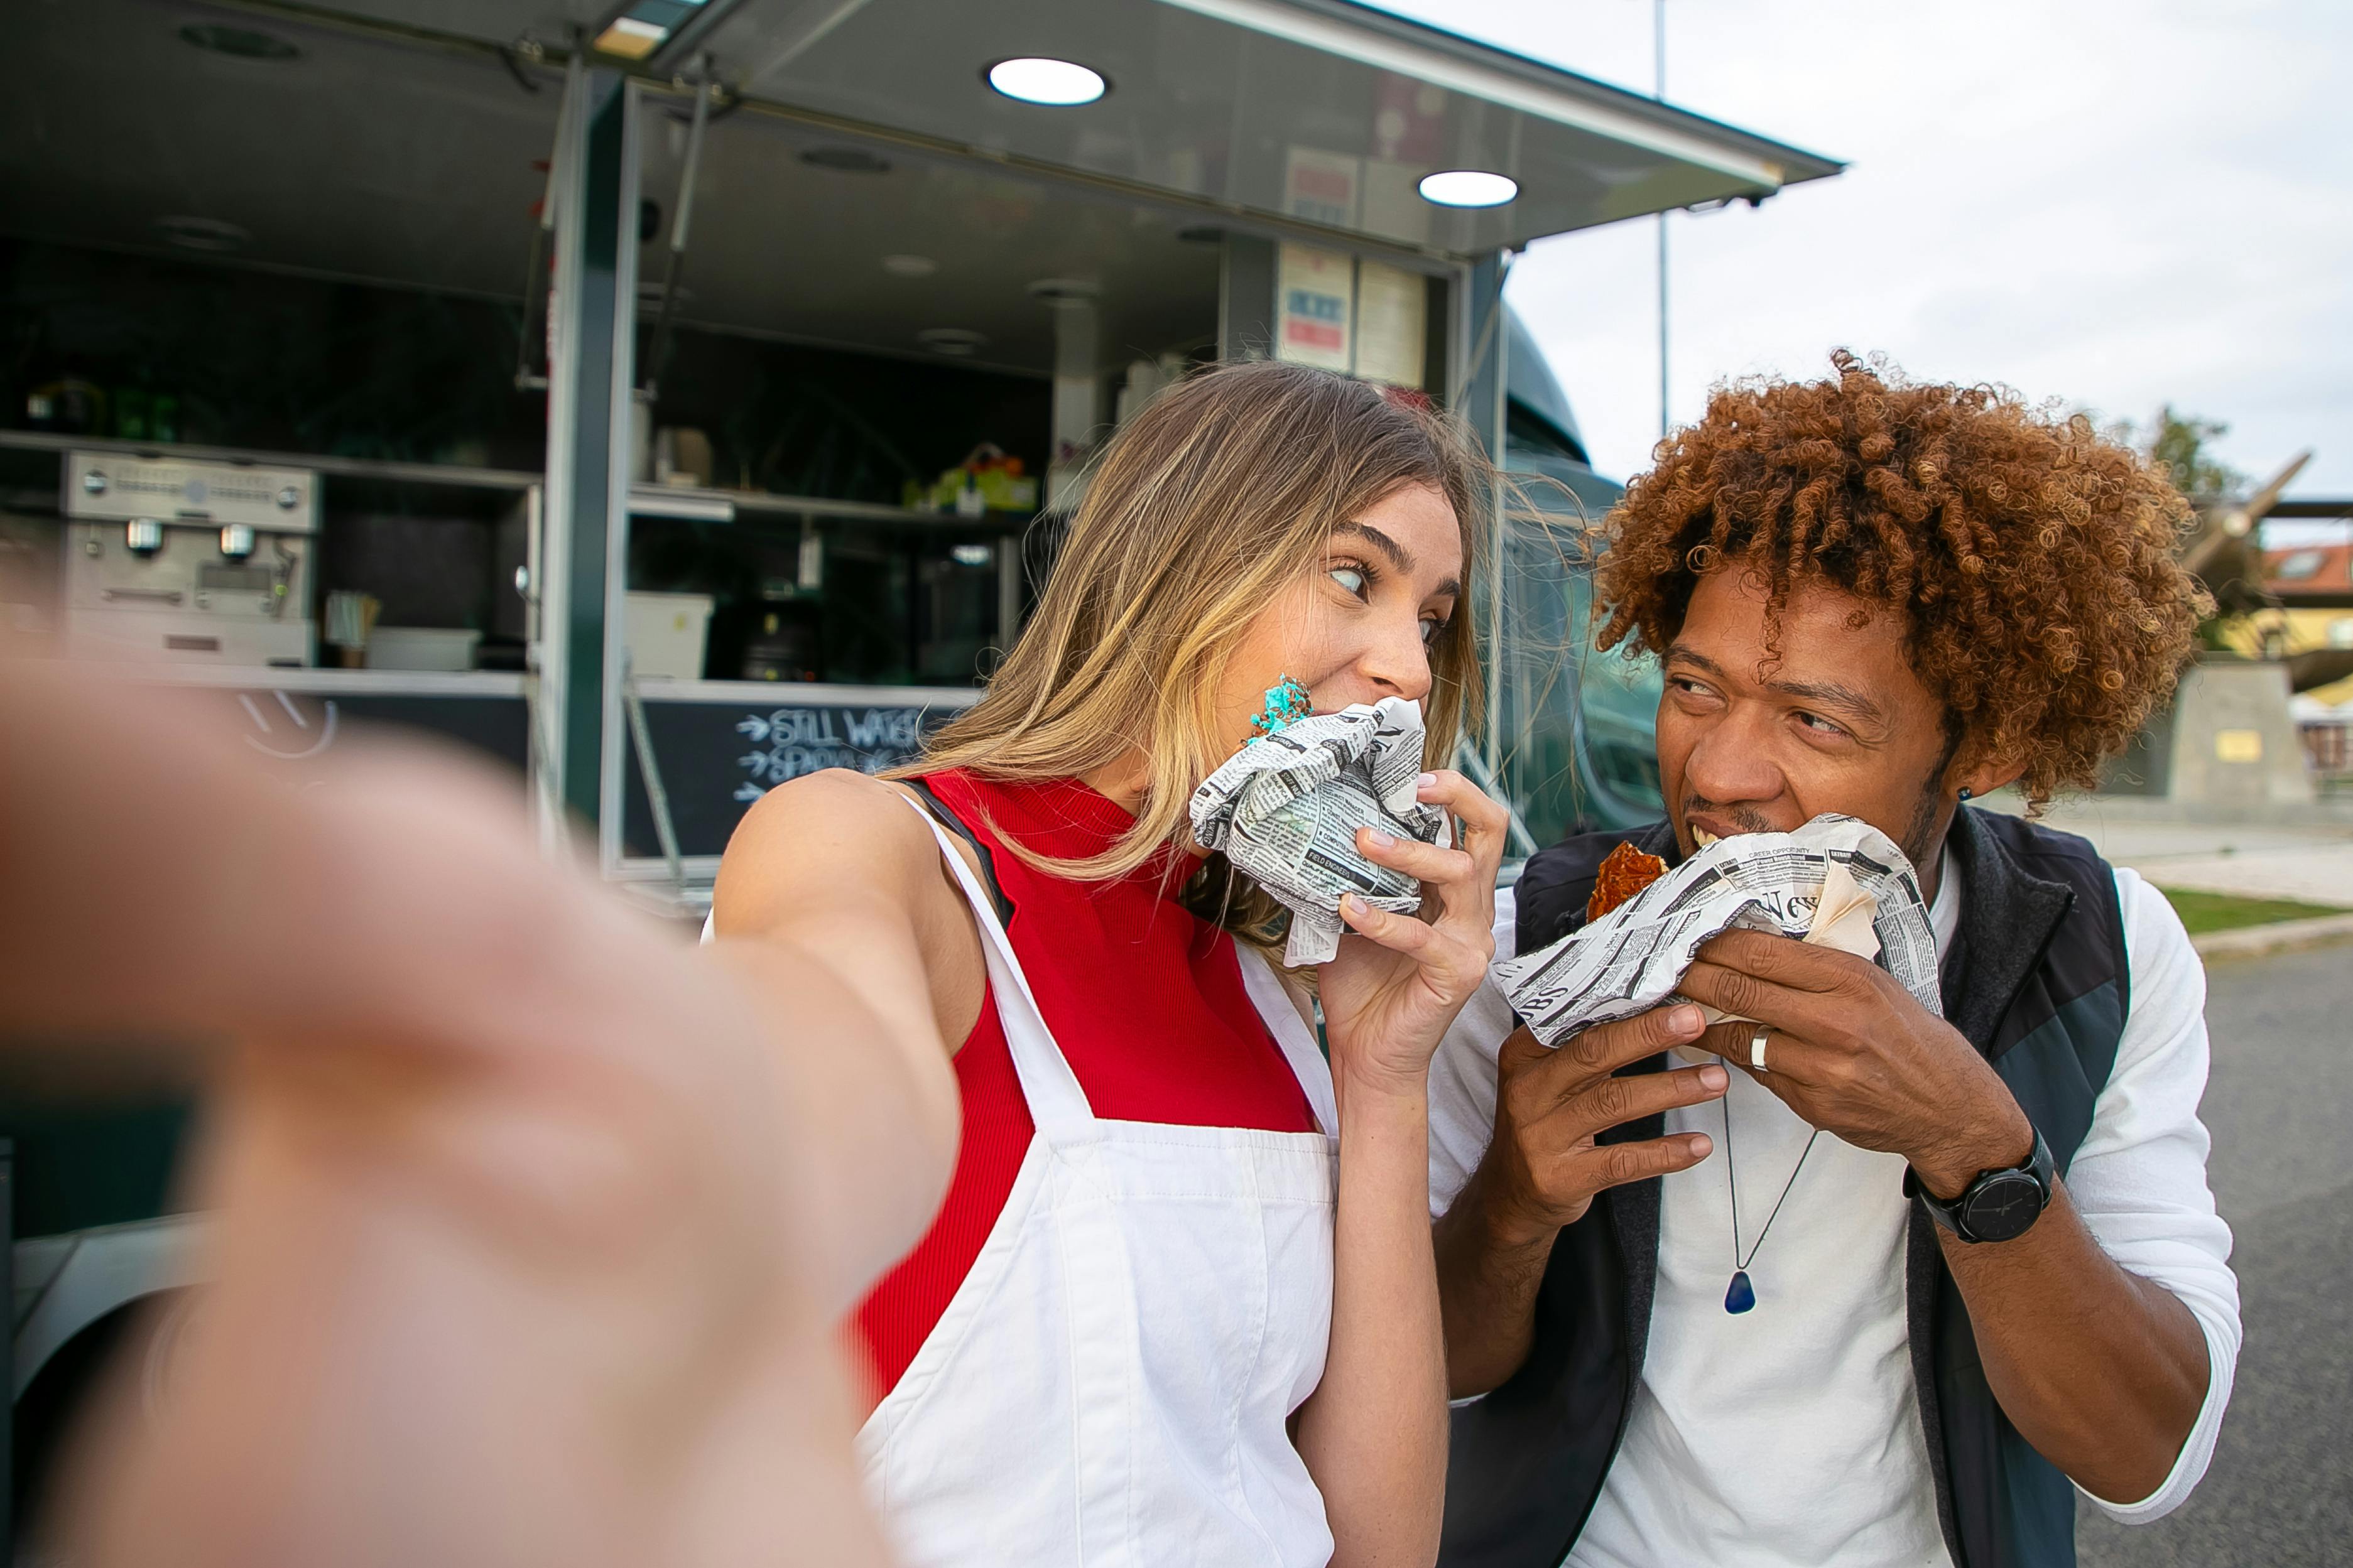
<point>1394,987</point>
<point>1374,1433</point>
<point>531,1228</point>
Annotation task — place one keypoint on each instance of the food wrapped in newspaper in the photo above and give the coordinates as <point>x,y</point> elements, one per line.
<point>1285,810</point>
<point>1836,882</point>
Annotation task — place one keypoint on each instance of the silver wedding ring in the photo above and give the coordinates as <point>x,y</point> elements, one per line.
<point>1756,1049</point>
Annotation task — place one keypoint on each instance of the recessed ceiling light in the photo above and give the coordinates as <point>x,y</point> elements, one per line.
<point>1468,188</point>
<point>845,160</point>
<point>206,233</point>
<point>1036,78</point>
<point>910,266</point>
<point>630,38</point>
<point>955,341</point>
<point>242,43</point>
<point>638,27</point>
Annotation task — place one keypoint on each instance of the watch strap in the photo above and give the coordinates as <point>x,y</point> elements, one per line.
<point>1953,1215</point>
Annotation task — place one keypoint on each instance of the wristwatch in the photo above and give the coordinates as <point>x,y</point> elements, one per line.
<point>1999,1204</point>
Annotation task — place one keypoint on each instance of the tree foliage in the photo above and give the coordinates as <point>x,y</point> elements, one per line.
<point>2181,442</point>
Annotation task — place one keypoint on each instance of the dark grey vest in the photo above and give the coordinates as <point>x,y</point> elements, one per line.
<point>2038,982</point>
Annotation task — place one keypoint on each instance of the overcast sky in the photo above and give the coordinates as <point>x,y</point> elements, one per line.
<point>2117,203</point>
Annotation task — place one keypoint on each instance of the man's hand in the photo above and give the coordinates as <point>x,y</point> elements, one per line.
<point>1543,1168</point>
<point>1545,1164</point>
<point>1852,1053</point>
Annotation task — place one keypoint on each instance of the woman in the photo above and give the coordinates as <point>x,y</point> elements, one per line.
<point>541,1228</point>
<point>1149,1324</point>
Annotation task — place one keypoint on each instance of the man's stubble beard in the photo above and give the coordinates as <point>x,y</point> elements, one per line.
<point>1920,838</point>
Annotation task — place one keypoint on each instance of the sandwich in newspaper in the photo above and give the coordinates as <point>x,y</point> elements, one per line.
<point>1836,882</point>
<point>1285,809</point>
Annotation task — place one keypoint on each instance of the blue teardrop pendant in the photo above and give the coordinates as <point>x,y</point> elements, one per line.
<point>1742,1295</point>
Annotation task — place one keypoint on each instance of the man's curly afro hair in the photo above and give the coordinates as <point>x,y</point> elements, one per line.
<point>2031,561</point>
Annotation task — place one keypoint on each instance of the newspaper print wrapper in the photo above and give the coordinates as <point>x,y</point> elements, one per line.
<point>1836,881</point>
<point>1285,810</point>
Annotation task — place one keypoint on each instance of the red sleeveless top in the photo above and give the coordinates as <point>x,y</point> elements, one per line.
<point>1146,1000</point>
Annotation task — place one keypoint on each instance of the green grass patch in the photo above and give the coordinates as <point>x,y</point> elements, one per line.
<point>2225,911</point>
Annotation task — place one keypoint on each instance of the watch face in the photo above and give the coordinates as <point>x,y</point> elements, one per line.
<point>2002,1206</point>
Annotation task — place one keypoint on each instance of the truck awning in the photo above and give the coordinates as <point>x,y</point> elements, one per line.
<point>1316,110</point>
<point>1321,113</point>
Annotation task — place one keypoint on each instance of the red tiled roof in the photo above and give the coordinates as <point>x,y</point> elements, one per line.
<point>2308,569</point>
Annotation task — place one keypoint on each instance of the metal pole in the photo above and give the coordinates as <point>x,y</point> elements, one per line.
<point>586,441</point>
<point>1008,591</point>
<point>1485,391</point>
<point>641,740</point>
<point>1658,63</point>
<point>625,413</point>
<point>655,349</point>
<point>534,273</point>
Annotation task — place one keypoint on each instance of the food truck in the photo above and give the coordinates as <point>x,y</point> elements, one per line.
<point>670,397</point>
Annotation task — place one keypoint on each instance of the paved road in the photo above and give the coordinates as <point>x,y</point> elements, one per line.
<point>2280,1109</point>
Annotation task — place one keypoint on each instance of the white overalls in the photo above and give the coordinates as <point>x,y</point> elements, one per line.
<point>1109,1384</point>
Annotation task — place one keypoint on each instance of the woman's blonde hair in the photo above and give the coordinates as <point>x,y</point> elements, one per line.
<point>1198,511</point>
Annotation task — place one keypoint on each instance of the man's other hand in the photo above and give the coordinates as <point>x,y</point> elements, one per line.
<point>1849,1050</point>
<point>1553,1104</point>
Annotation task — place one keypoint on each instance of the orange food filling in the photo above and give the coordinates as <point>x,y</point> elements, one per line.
<point>1625,873</point>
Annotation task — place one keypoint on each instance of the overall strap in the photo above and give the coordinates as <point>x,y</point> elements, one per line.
<point>956,824</point>
<point>1058,1106</point>
<point>1291,1032</point>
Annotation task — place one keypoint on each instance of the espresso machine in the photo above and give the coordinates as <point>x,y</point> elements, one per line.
<point>195,561</point>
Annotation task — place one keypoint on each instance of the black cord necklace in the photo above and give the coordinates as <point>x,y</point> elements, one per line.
<point>1741,1295</point>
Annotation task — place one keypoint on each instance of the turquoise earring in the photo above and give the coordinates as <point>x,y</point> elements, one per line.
<point>1287,704</point>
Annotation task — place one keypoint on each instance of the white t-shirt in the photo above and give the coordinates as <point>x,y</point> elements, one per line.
<point>1791,1434</point>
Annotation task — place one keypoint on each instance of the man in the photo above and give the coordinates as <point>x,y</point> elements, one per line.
<point>1884,1289</point>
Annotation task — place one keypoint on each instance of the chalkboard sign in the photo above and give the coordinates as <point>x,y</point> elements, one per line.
<point>311,716</point>
<point>718,749</point>
<point>275,723</point>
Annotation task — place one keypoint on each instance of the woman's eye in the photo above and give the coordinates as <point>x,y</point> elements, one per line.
<point>1350,578</point>
<point>1430,631</point>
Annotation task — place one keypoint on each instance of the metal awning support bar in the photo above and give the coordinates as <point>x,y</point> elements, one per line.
<point>642,742</point>
<point>660,343</point>
<point>534,276</point>
<point>597,794</point>
<point>1484,388</point>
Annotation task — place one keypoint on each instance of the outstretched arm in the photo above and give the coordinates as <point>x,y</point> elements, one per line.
<point>533,1228</point>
